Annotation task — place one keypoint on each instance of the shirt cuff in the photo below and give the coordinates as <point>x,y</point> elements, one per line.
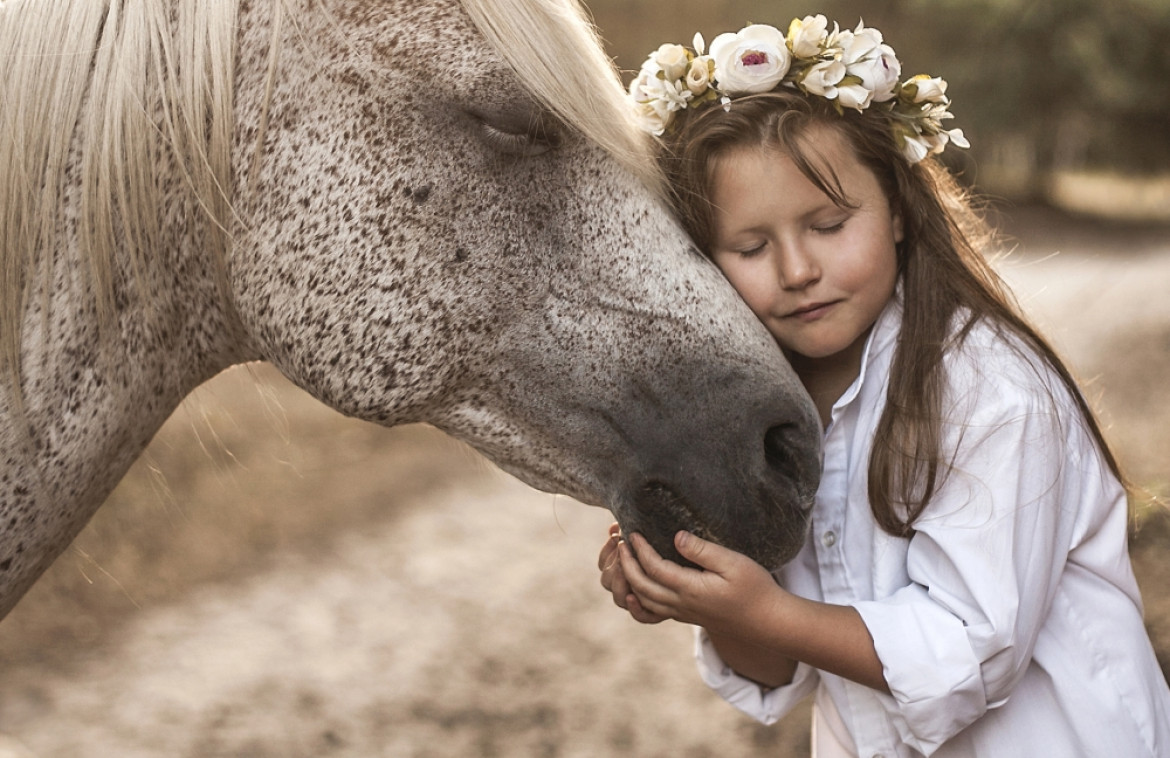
<point>932,671</point>
<point>765,705</point>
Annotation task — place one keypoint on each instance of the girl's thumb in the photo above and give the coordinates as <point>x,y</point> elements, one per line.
<point>689,546</point>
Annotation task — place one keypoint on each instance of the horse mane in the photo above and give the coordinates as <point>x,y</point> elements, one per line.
<point>556,52</point>
<point>85,75</point>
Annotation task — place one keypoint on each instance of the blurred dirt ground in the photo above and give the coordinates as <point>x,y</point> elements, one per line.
<point>272,579</point>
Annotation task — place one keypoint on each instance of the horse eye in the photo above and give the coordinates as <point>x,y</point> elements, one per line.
<point>519,137</point>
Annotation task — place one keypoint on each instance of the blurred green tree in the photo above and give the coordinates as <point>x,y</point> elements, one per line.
<point>1054,85</point>
<point>1039,85</point>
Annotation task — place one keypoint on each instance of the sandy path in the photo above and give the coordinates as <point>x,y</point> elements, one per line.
<point>471,627</point>
<point>1085,302</point>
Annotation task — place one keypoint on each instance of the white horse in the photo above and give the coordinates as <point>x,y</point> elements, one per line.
<point>418,210</point>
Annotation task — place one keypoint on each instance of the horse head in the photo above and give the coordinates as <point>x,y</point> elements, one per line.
<point>436,237</point>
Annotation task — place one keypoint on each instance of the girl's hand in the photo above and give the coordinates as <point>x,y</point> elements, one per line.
<point>759,629</point>
<point>613,578</point>
<point>728,594</point>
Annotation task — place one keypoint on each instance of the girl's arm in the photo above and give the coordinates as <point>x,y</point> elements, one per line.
<point>759,629</point>
<point>762,666</point>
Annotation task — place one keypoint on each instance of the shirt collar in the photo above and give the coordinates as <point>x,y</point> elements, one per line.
<point>880,341</point>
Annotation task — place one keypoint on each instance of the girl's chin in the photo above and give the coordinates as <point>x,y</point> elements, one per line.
<point>823,353</point>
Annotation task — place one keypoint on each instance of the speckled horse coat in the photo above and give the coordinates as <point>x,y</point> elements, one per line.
<point>418,210</point>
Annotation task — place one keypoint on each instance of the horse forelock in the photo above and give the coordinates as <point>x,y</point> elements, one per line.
<point>557,55</point>
<point>85,75</point>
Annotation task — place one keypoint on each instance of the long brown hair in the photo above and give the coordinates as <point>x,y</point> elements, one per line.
<point>941,266</point>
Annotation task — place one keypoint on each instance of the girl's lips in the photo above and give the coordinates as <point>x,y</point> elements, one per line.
<point>811,312</point>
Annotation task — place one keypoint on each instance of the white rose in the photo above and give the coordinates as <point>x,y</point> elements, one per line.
<point>854,96</point>
<point>879,72</point>
<point>650,118</point>
<point>699,74</point>
<point>755,59</point>
<point>638,85</point>
<point>822,78</point>
<point>929,89</point>
<point>807,35</point>
<point>858,44</point>
<point>672,59</point>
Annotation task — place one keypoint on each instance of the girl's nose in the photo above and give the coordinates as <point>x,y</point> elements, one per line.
<point>796,268</point>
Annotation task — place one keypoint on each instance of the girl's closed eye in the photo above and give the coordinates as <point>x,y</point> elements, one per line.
<point>752,250</point>
<point>831,226</point>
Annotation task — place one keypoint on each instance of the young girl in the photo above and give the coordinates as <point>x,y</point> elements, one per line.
<point>966,588</point>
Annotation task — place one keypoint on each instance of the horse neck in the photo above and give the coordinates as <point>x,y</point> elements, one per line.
<point>104,363</point>
<point>97,388</point>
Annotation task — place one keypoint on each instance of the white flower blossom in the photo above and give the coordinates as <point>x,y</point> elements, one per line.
<point>822,78</point>
<point>856,96</point>
<point>918,147</point>
<point>807,36</point>
<point>858,44</point>
<point>930,89</point>
<point>699,74</point>
<point>649,86</point>
<point>650,118</point>
<point>673,94</point>
<point>673,60</point>
<point>879,72</point>
<point>915,149</point>
<point>958,138</point>
<point>638,85</point>
<point>754,59</point>
<point>854,68</point>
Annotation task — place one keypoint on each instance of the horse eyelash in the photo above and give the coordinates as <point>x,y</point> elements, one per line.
<point>526,144</point>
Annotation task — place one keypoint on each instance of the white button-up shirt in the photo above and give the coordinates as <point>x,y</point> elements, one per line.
<point>1009,623</point>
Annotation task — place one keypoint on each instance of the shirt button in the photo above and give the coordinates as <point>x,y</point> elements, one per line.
<point>828,539</point>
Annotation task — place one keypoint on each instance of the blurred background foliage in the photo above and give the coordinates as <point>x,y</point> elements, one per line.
<point>1048,91</point>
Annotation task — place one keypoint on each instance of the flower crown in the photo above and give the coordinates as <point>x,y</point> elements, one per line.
<point>854,69</point>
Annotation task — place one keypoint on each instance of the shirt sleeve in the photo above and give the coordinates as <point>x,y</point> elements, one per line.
<point>984,561</point>
<point>765,705</point>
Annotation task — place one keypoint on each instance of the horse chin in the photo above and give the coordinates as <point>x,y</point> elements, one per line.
<point>661,513</point>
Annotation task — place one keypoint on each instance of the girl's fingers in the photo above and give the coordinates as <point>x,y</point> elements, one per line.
<point>655,566</point>
<point>614,581</point>
<point>634,574</point>
<point>653,579</point>
<point>640,613</point>
<point>608,553</point>
<point>709,555</point>
<point>613,559</point>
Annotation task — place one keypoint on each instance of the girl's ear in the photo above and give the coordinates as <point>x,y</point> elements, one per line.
<point>896,223</point>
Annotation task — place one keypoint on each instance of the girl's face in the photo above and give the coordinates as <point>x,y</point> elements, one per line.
<point>817,274</point>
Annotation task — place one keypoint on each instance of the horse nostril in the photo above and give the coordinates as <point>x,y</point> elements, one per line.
<point>780,443</point>
<point>787,455</point>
